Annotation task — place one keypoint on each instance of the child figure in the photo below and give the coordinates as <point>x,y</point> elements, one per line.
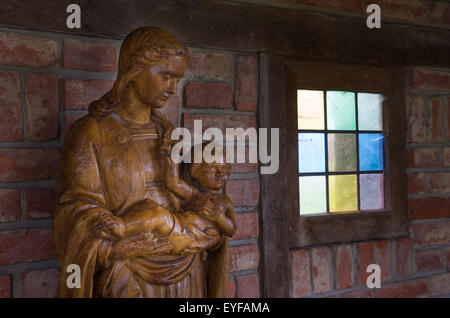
<point>203,186</point>
<point>214,217</point>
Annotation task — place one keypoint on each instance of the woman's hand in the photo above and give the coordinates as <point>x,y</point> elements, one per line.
<point>143,244</point>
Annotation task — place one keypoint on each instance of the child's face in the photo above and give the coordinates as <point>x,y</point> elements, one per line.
<point>213,176</point>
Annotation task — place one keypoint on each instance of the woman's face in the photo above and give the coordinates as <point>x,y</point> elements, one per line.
<point>155,84</point>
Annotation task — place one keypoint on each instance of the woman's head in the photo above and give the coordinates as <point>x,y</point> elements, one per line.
<point>153,60</point>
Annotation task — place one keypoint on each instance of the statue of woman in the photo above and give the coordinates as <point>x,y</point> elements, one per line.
<point>111,186</point>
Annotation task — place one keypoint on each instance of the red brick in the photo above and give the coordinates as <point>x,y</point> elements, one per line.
<point>89,56</point>
<point>39,203</point>
<point>440,182</point>
<point>231,288</point>
<point>42,106</point>
<point>446,155</point>
<point>416,183</point>
<point>5,286</point>
<point>208,95</point>
<point>20,164</point>
<point>344,267</point>
<point>421,78</point>
<point>221,122</point>
<point>247,226</point>
<point>364,259</point>
<point>431,233</point>
<point>243,192</point>
<point>29,51</point>
<point>383,257</point>
<point>415,114</point>
<point>440,13</point>
<point>70,118</point>
<point>440,284</point>
<point>436,130</point>
<point>246,81</point>
<point>301,282</point>
<point>40,283</point>
<point>365,293</point>
<point>243,258</point>
<point>245,167</point>
<point>215,66</point>
<point>11,121</point>
<point>26,246</point>
<point>78,94</point>
<point>404,257</point>
<point>429,208</point>
<point>425,158</point>
<point>341,5</point>
<point>247,286</point>
<point>429,260</point>
<point>171,110</point>
<point>320,270</point>
<point>408,289</point>
<point>9,205</point>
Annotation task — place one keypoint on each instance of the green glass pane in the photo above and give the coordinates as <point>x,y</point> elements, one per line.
<point>310,110</point>
<point>343,193</point>
<point>341,110</point>
<point>371,191</point>
<point>370,114</point>
<point>312,195</point>
<point>341,152</point>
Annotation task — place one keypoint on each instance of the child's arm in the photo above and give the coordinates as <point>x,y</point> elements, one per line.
<point>174,183</point>
<point>226,222</point>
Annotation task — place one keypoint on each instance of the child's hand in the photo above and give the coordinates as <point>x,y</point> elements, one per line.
<point>110,227</point>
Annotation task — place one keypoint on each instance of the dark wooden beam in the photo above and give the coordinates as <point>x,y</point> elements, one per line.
<point>274,206</point>
<point>244,27</point>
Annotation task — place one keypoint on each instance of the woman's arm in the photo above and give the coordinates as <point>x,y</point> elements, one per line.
<point>174,183</point>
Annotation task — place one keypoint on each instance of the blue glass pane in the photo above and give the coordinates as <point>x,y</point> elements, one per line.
<point>311,152</point>
<point>371,154</point>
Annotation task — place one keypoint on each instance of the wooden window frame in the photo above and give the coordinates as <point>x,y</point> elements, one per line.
<point>282,226</point>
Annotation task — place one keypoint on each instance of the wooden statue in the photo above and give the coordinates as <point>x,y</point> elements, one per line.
<point>136,223</point>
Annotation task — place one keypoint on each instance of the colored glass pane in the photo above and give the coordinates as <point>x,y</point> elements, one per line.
<point>371,191</point>
<point>370,115</point>
<point>343,193</point>
<point>312,194</point>
<point>341,152</point>
<point>341,110</point>
<point>310,110</point>
<point>371,154</point>
<point>311,152</point>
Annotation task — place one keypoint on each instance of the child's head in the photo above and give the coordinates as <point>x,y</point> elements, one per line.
<point>213,176</point>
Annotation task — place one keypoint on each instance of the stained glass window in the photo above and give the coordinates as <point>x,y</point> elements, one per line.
<point>340,151</point>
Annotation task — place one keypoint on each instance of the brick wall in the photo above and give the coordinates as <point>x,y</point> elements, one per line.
<point>47,81</point>
<point>414,266</point>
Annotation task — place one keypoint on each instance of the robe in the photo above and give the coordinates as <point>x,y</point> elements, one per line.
<point>102,168</point>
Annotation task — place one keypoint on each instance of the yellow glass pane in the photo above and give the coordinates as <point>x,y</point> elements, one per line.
<point>343,193</point>
<point>310,109</point>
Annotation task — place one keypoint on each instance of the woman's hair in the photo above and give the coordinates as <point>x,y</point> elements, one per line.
<point>144,47</point>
